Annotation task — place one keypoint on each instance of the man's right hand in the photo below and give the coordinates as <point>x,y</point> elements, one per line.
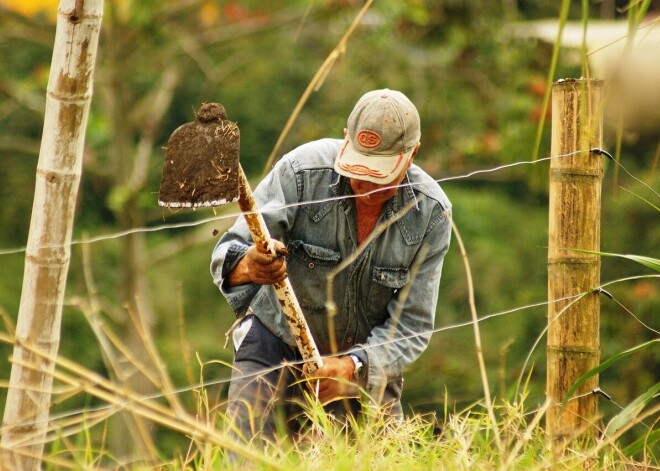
<point>260,268</point>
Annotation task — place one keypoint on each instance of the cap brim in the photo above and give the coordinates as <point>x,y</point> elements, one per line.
<point>380,169</point>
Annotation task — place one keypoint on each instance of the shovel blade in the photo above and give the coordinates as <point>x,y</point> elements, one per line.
<point>201,165</point>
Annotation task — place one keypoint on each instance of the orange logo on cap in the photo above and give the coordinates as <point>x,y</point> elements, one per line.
<point>362,170</point>
<point>368,139</point>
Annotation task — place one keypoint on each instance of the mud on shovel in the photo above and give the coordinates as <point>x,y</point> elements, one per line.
<point>202,169</point>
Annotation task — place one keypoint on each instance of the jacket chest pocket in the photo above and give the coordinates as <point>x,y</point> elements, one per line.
<point>308,267</point>
<point>385,282</point>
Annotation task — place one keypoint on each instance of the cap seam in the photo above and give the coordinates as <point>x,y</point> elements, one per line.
<point>398,115</point>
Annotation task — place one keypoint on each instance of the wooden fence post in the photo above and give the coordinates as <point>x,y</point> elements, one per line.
<point>574,223</point>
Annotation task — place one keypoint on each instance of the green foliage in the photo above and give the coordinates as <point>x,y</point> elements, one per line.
<point>605,365</point>
<point>652,263</point>
<point>632,411</point>
<point>460,439</point>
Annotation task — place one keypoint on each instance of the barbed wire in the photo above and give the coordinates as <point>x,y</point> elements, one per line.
<point>629,312</point>
<point>597,391</point>
<point>620,165</point>
<point>235,214</point>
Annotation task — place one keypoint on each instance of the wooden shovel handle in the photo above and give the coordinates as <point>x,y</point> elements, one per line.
<point>283,289</point>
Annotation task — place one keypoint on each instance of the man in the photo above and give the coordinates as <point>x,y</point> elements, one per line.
<point>320,202</point>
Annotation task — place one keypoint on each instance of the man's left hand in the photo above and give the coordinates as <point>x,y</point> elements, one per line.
<point>335,380</point>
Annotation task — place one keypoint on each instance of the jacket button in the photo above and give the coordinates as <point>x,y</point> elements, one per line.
<point>349,340</point>
<point>311,265</point>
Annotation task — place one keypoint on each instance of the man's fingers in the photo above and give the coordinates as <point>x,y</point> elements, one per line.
<point>329,390</point>
<point>268,259</point>
<point>266,268</point>
<point>326,389</point>
<point>264,258</point>
<point>271,269</point>
<point>280,248</point>
<point>268,279</point>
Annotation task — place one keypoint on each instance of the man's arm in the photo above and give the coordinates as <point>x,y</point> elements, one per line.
<point>237,267</point>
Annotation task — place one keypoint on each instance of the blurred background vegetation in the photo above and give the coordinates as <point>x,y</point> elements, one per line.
<point>478,75</point>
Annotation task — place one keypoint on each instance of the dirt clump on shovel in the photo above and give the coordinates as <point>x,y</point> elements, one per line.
<point>201,161</point>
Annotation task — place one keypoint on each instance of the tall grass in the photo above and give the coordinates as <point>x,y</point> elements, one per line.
<point>458,439</point>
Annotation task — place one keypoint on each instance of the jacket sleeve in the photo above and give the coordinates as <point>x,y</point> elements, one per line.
<point>394,345</point>
<point>274,197</point>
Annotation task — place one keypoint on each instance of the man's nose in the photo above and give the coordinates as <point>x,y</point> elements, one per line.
<point>370,186</point>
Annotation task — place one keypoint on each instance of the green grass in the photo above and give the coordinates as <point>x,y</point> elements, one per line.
<point>459,439</point>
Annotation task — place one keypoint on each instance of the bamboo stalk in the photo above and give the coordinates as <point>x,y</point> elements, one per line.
<point>48,247</point>
<point>574,223</point>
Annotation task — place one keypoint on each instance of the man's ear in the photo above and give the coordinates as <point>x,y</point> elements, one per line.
<point>413,154</point>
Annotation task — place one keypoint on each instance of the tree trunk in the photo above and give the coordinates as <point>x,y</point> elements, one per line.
<point>48,248</point>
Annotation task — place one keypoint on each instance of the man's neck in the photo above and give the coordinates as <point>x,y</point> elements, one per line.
<point>367,217</point>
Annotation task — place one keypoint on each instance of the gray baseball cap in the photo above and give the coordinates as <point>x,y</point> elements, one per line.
<point>383,131</point>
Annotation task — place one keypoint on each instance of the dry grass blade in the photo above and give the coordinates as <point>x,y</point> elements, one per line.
<point>316,82</point>
<point>185,346</point>
<point>120,397</point>
<point>527,435</point>
<point>91,309</point>
<point>7,320</point>
<point>164,383</point>
<point>477,341</point>
<point>405,291</point>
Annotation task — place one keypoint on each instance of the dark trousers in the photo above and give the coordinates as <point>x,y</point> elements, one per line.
<point>265,395</point>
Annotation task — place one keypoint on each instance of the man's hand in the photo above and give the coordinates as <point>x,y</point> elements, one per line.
<point>335,379</point>
<point>260,268</point>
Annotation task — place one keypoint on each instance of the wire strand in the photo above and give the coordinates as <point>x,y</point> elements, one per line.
<point>235,214</point>
<point>298,364</point>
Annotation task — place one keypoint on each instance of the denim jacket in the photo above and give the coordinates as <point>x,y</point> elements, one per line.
<point>386,298</point>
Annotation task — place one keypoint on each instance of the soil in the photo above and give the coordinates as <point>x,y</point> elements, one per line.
<point>201,161</point>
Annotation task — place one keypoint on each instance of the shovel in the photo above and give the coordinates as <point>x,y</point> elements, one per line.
<point>202,169</point>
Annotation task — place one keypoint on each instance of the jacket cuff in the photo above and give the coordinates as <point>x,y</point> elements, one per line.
<point>376,379</point>
<point>238,297</point>
<point>234,254</point>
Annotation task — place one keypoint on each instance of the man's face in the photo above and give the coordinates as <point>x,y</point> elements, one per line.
<point>375,194</point>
